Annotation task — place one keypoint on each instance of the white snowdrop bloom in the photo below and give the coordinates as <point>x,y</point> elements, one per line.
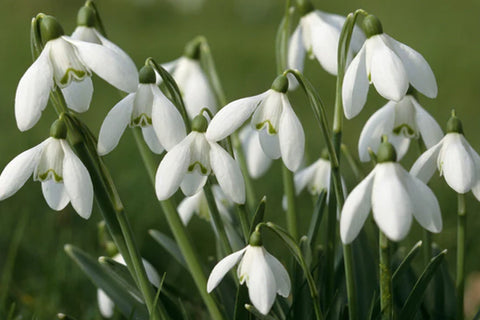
<point>264,275</point>
<point>106,305</point>
<point>63,176</point>
<point>390,65</point>
<point>394,196</point>
<point>280,132</point>
<point>190,162</point>
<point>401,121</point>
<point>257,161</point>
<point>317,35</point>
<point>148,108</point>
<point>455,159</point>
<point>315,177</point>
<point>68,64</point>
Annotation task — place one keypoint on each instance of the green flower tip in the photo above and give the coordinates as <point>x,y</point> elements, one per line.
<point>58,130</point>
<point>454,125</point>
<point>86,17</point>
<point>372,26</point>
<point>325,154</point>
<point>50,28</point>
<point>386,152</point>
<point>192,50</point>
<point>199,123</point>
<point>304,7</point>
<point>147,75</point>
<point>280,84</point>
<point>255,239</point>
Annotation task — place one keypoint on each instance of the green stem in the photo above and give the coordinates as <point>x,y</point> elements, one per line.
<point>353,163</point>
<point>146,155</point>
<point>251,198</point>
<point>461,234</point>
<point>289,191</point>
<point>427,246</point>
<point>243,217</point>
<point>386,297</point>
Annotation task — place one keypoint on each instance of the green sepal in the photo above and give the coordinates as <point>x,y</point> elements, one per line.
<point>86,17</point>
<point>50,28</point>
<point>454,125</point>
<point>147,75</point>
<point>58,129</point>
<point>372,26</point>
<point>305,7</point>
<point>199,123</point>
<point>255,239</point>
<point>280,84</point>
<point>386,152</point>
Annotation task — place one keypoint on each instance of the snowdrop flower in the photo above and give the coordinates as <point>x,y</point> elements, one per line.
<point>317,35</point>
<point>280,132</point>
<point>148,108</point>
<point>106,305</point>
<point>264,274</point>
<point>316,177</point>
<point>68,64</point>
<point>63,176</point>
<point>401,121</point>
<point>455,159</point>
<point>257,161</point>
<point>394,196</point>
<point>190,162</point>
<point>389,64</point>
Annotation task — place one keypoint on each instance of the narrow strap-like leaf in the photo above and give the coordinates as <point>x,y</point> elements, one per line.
<point>259,214</point>
<point>257,313</point>
<point>171,246</point>
<point>317,216</point>
<point>405,264</point>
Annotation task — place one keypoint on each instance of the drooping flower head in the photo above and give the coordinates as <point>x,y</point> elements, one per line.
<point>394,196</point>
<point>68,64</point>
<point>280,132</point>
<point>189,163</point>
<point>401,121</point>
<point>63,176</point>
<point>264,275</point>
<point>455,159</point>
<point>148,108</point>
<point>390,65</point>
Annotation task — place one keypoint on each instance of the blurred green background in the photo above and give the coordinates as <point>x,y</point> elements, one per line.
<point>241,33</point>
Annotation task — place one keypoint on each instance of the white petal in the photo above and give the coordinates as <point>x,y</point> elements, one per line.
<point>55,194</point>
<point>86,34</point>
<point>356,208</point>
<point>114,124</point>
<point>78,94</point>
<point>152,274</point>
<point>380,123</point>
<point>151,139</point>
<point>305,177</point>
<point>257,162</point>
<point>166,120</point>
<point>78,184</point>
<point>387,72</point>
<point>419,72</point>
<point>189,206</point>
<point>108,64</point>
<point>107,43</point>
<point>262,288</point>
<point>232,116</point>
<point>291,137</point>
<point>296,56</point>
<point>429,129</point>
<point>391,204</point>
<point>193,182</point>
<point>172,169</point>
<point>425,166</point>
<point>456,163</point>
<point>281,275</point>
<point>355,85</point>
<point>18,170</point>
<point>33,91</point>
<point>221,269</point>
<point>401,144</point>
<point>337,21</point>
<point>228,173</point>
<point>270,144</point>
<point>105,304</point>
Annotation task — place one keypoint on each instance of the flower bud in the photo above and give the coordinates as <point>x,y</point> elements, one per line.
<point>454,125</point>
<point>199,123</point>
<point>50,29</point>
<point>255,239</point>
<point>386,152</point>
<point>86,17</point>
<point>304,7</point>
<point>146,75</point>
<point>280,84</point>
<point>58,130</point>
<point>372,26</point>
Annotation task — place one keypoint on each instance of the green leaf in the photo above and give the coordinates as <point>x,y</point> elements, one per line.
<point>240,312</point>
<point>416,295</point>
<point>259,214</point>
<point>281,40</point>
<point>168,244</point>
<point>124,301</point>
<point>317,216</point>
<point>406,262</point>
<point>257,313</point>
<point>122,275</point>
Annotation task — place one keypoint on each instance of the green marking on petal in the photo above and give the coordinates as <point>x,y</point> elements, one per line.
<point>203,170</point>
<point>404,129</point>
<point>141,121</point>
<point>50,174</point>
<point>270,128</point>
<point>77,74</point>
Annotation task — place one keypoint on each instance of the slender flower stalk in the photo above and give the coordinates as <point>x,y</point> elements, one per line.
<point>461,236</point>
<point>386,292</point>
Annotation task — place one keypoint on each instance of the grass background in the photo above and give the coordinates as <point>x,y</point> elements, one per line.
<point>241,33</point>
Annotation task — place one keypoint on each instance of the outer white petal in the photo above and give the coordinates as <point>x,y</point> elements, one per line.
<point>78,94</point>
<point>262,287</point>
<point>151,139</point>
<point>387,71</point>
<point>78,184</point>
<point>355,85</point>
<point>380,123</point>
<point>108,64</point>
<point>419,72</point>
<point>257,161</point>
<point>105,304</point>
<point>337,21</point>
<point>476,160</point>
<point>166,120</point>
<point>33,91</point>
<point>228,173</point>
<point>18,170</point>
<point>270,144</point>
<point>425,205</point>
<point>55,194</point>
<point>281,275</point>
<point>222,267</point>
<point>425,166</point>
<point>429,129</point>
<point>107,43</point>
<point>189,206</point>
<point>304,177</point>
<point>291,137</point>
<point>232,116</point>
<point>457,164</point>
<point>296,55</point>
<point>193,182</point>
<point>356,209</point>
<point>86,34</point>
<point>391,204</point>
<point>172,169</point>
<point>114,124</point>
